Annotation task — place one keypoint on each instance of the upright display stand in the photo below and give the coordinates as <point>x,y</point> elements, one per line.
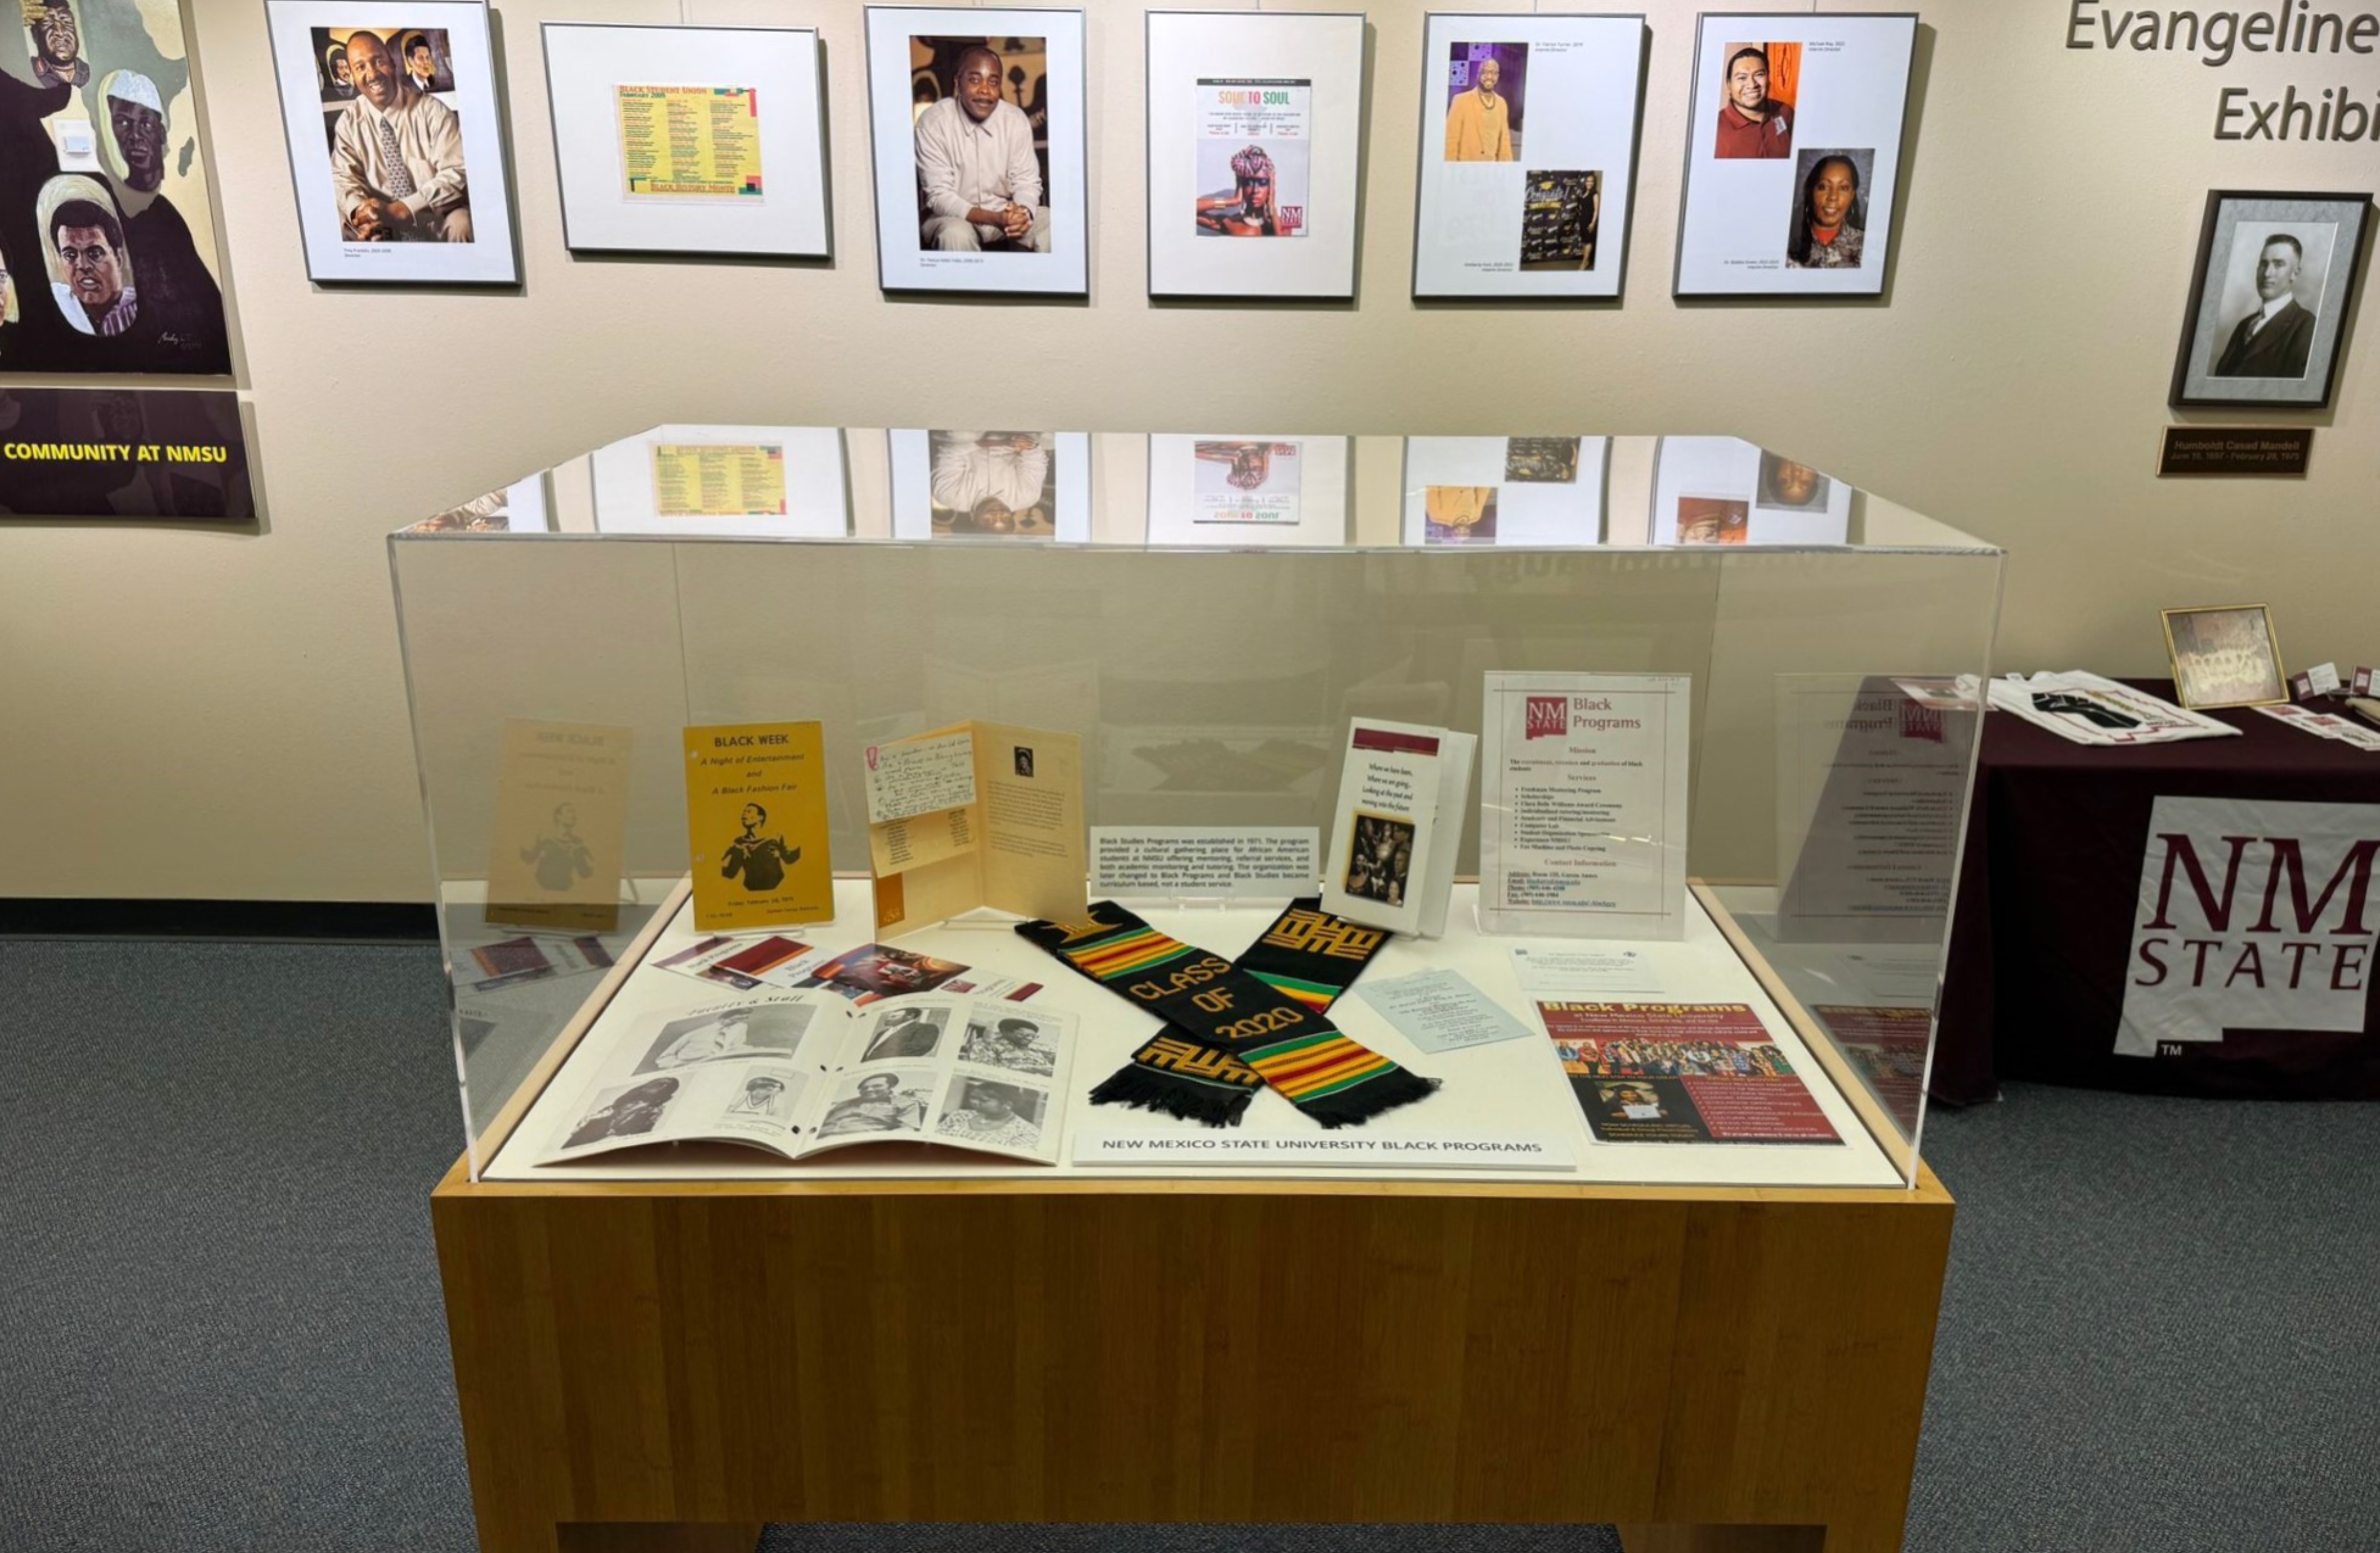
<point>662,1367</point>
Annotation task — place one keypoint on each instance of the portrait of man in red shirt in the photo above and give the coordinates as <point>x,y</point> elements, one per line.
<point>1755,112</point>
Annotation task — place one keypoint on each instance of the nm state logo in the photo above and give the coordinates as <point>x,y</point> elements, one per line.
<point>1548,716</point>
<point>2254,915</point>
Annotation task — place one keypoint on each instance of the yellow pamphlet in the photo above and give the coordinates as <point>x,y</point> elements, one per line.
<point>757,827</point>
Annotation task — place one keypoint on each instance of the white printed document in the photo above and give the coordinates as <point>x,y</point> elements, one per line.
<point>1582,816</point>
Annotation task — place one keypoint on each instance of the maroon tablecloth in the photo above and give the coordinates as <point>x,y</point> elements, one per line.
<point>2050,885</point>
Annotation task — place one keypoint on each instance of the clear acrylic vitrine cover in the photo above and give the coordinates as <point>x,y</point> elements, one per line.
<point>1205,613</point>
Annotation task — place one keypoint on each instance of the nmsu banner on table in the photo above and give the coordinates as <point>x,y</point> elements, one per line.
<point>124,452</point>
<point>2252,916</point>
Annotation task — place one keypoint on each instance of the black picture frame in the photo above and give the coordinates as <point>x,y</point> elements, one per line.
<point>1432,90</point>
<point>1341,293</point>
<point>1678,290</point>
<point>883,219</point>
<point>587,248</point>
<point>2330,319</point>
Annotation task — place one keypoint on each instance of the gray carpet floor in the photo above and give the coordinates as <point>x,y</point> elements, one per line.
<point>220,1325</point>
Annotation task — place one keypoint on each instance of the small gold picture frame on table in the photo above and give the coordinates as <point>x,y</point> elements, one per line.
<point>2224,655</point>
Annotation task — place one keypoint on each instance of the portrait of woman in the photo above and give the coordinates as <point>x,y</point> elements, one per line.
<point>1830,216</point>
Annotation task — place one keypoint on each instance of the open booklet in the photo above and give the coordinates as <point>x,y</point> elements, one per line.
<point>802,1072</point>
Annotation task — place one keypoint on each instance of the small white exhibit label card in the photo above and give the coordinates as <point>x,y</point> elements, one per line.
<point>1202,859</point>
<point>1435,1151</point>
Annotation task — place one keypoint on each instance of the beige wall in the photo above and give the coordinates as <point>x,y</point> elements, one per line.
<point>193,714</point>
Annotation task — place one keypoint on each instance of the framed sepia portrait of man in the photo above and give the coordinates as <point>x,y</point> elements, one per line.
<point>2276,276</point>
<point>2225,656</point>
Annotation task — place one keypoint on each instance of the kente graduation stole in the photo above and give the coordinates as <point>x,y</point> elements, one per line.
<point>1233,1026</point>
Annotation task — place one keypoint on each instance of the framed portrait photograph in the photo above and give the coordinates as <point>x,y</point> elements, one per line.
<point>396,141</point>
<point>1250,490</point>
<point>2225,656</point>
<point>1543,492</point>
<point>2275,274</point>
<point>700,141</point>
<point>108,258</point>
<point>1254,125</point>
<point>990,485</point>
<point>1528,150</point>
<point>1792,154</point>
<point>975,120</point>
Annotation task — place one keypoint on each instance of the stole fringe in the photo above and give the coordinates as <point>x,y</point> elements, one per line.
<point>1352,1107</point>
<point>1145,1089</point>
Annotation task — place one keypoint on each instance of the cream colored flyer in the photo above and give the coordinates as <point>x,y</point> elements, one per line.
<point>719,480</point>
<point>689,141</point>
<point>562,812</point>
<point>1016,844</point>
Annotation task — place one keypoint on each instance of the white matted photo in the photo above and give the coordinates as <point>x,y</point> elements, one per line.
<point>688,140</point>
<point>2275,278</point>
<point>775,481</point>
<point>1528,145</point>
<point>1792,154</point>
<point>977,121</point>
<point>991,484</point>
<point>1723,491</point>
<point>1255,127</point>
<point>1541,492</point>
<point>1247,490</point>
<point>396,141</point>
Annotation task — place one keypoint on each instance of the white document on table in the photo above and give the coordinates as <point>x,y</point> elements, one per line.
<point>1583,805</point>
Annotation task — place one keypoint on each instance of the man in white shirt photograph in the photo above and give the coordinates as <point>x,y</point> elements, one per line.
<point>990,482</point>
<point>977,174</point>
<point>396,155</point>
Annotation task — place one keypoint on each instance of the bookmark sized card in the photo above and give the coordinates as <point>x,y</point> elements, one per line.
<point>757,827</point>
<point>561,818</point>
<point>977,815</point>
<point>1402,793</point>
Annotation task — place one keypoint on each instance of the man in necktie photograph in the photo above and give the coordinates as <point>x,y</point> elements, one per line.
<point>396,155</point>
<point>2274,340</point>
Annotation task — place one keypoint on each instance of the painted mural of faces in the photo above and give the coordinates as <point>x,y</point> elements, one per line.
<point>136,130</point>
<point>57,35</point>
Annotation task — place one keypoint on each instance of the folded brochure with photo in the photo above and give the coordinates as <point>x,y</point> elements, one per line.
<point>1399,822</point>
<point>975,814</point>
<point>800,1073</point>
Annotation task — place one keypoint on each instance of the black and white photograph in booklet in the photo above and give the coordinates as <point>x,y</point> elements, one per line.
<point>994,1112</point>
